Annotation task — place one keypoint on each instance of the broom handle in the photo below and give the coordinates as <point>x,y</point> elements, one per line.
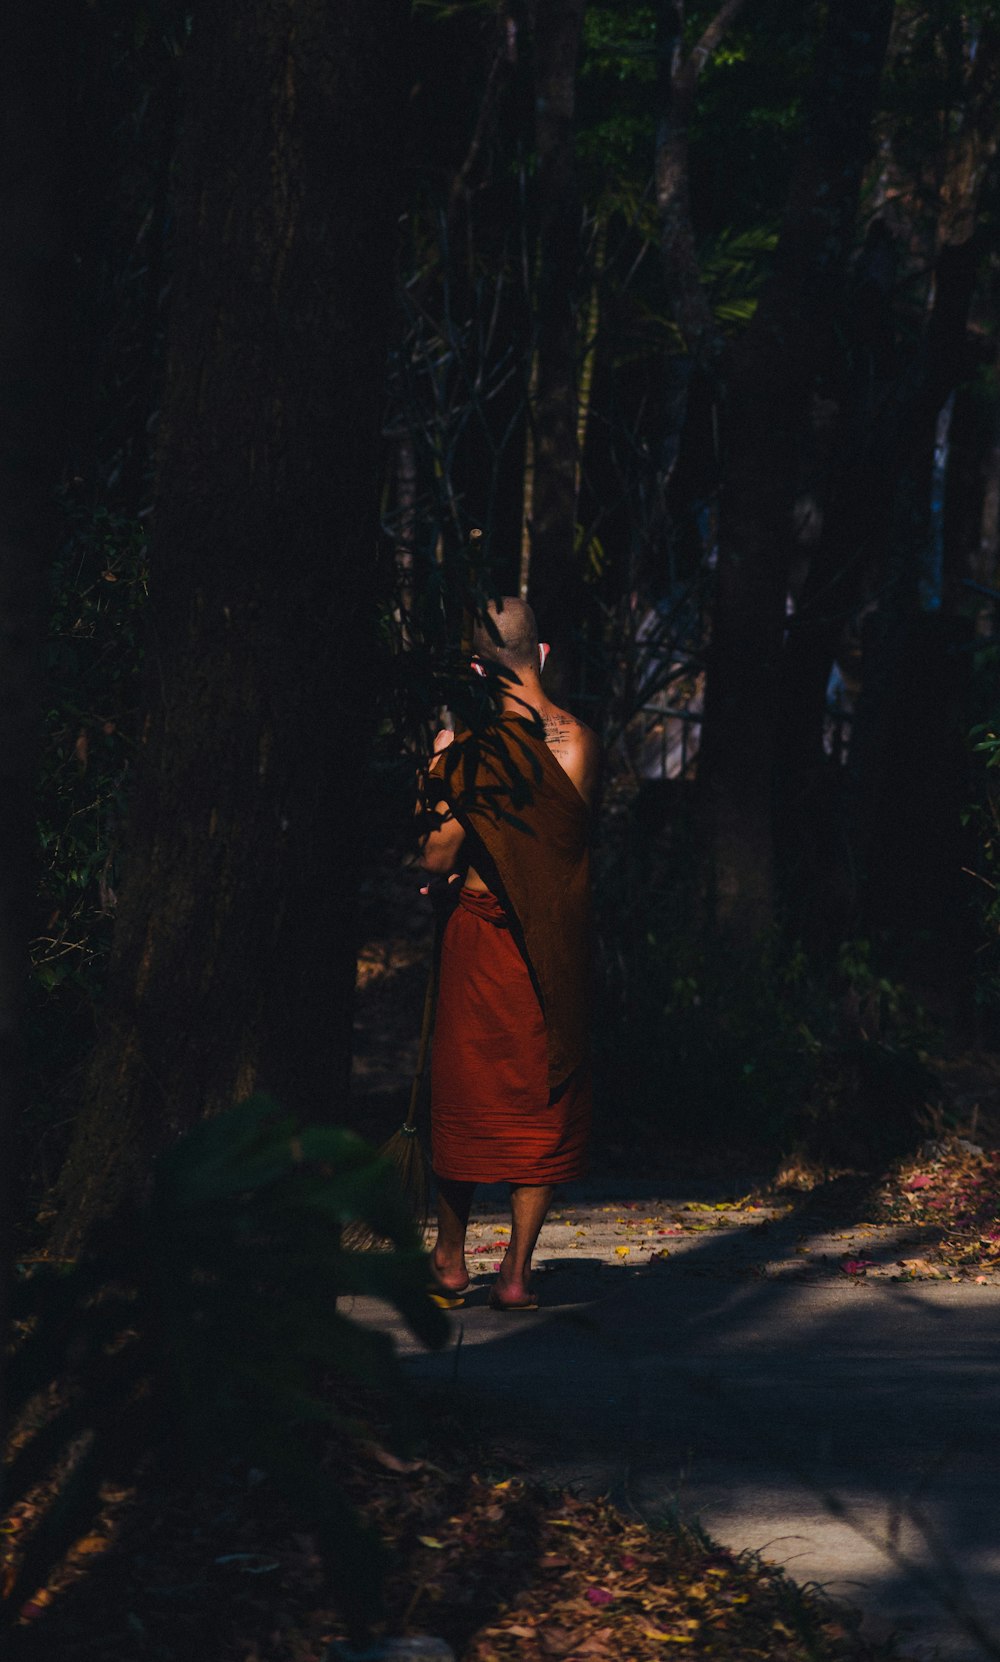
<point>409,1124</point>
<point>425,1039</point>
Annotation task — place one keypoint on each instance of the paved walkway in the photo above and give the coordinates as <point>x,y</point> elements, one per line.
<point>724,1363</point>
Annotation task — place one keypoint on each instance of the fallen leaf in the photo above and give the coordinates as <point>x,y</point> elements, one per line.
<point>855,1266</point>
<point>431,1541</point>
<point>918,1266</point>
<point>36,1604</point>
<point>557,1641</point>
<point>599,1595</point>
<point>598,1644</point>
<point>392,1462</point>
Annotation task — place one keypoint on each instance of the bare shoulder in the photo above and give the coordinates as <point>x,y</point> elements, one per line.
<point>576,746</point>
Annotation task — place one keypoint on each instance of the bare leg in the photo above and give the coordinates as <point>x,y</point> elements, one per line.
<point>448,1256</point>
<point>529,1203</point>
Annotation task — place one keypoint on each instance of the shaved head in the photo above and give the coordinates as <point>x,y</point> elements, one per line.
<point>513,621</point>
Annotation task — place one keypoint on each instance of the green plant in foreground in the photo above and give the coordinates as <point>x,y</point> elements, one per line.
<point>204,1323</point>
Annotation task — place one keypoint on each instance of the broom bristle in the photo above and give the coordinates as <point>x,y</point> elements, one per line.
<point>403,1151</point>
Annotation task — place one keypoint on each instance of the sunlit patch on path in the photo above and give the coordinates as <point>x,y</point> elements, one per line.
<point>739,1236</point>
<point>810,1382</point>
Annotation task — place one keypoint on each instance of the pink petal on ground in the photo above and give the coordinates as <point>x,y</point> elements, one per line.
<point>919,1183</point>
<point>599,1595</point>
<point>856,1266</point>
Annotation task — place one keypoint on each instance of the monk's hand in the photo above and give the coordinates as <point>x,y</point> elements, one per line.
<point>442,739</point>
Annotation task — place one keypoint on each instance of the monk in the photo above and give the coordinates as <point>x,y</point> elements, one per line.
<point>510,1070</point>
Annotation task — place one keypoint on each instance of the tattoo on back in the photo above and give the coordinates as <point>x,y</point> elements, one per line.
<point>558,729</point>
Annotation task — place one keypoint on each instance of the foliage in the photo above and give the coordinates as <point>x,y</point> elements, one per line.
<point>494,1564</point>
<point>93,667</point>
<point>983,817</point>
<point>952,1191</point>
<point>205,1322</point>
<point>775,1052</point>
<point>593,1582</point>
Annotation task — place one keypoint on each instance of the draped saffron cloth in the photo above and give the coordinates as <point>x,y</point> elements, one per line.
<point>510,1068</point>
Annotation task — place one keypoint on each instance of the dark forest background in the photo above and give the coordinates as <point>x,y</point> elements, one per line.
<point>320,325</point>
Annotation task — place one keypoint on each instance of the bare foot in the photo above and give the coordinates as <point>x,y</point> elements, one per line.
<point>452,1276</point>
<point>512,1292</point>
<point>511,1296</point>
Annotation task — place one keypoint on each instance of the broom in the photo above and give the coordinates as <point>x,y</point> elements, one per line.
<point>403,1149</point>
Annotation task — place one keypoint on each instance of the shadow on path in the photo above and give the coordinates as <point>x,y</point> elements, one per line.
<point>849,1430</point>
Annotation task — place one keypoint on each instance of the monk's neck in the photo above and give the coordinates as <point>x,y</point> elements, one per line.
<point>525,698</point>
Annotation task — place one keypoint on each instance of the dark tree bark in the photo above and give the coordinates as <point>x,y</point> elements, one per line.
<point>768,376</point>
<point>554,580</point>
<point>234,953</point>
<point>34,272</point>
<point>677,80</point>
<point>874,510</point>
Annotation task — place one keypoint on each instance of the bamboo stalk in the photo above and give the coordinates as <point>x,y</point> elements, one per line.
<point>590,349</point>
<point>528,498</point>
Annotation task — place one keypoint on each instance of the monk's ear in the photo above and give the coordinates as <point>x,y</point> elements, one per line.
<point>543,651</point>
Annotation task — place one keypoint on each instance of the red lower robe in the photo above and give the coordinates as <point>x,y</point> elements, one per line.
<point>494,1116</point>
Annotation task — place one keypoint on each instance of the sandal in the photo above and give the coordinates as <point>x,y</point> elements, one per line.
<point>445,1297</point>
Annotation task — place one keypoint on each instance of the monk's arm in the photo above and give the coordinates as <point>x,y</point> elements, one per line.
<point>441,848</point>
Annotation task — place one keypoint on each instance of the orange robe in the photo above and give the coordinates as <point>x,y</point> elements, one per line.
<point>510,1069</point>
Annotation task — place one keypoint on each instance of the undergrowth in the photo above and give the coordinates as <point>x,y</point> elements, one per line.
<point>93,674</point>
<point>762,1054</point>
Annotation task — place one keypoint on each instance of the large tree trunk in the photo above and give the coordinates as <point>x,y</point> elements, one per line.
<point>768,381</point>
<point>554,579</point>
<point>234,953</point>
<point>34,274</point>
<point>874,508</point>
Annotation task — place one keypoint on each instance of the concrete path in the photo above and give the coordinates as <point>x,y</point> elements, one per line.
<point>841,1422</point>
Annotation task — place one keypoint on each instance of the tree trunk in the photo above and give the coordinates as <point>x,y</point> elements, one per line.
<point>558,28</point>
<point>768,378</point>
<point>234,952</point>
<point>985,559</point>
<point>677,79</point>
<point>873,508</point>
<point>35,96</point>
